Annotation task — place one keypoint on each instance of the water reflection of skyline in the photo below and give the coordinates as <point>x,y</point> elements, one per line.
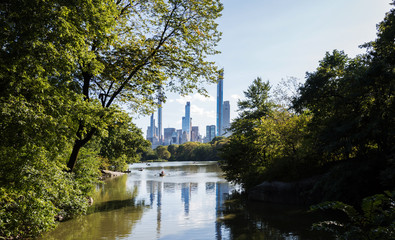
<point>186,204</point>
<point>154,189</point>
<point>221,194</point>
<point>186,190</point>
<point>185,200</point>
<point>185,196</point>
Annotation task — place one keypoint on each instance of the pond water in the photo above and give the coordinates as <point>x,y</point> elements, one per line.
<point>187,203</point>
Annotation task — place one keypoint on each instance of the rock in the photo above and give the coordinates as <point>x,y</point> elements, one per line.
<point>295,193</point>
<point>90,201</point>
<point>59,218</point>
<point>108,173</point>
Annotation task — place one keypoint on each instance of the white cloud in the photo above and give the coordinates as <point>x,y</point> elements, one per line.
<point>193,99</point>
<point>195,110</point>
<point>184,100</point>
<point>235,96</point>
<point>202,98</point>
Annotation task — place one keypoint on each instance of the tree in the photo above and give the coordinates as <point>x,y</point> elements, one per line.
<point>320,92</point>
<point>185,152</point>
<point>284,139</point>
<point>351,101</point>
<point>63,66</point>
<point>256,104</point>
<point>285,91</point>
<point>173,151</point>
<point>123,143</point>
<point>152,44</point>
<point>243,159</point>
<point>162,152</point>
<point>108,51</point>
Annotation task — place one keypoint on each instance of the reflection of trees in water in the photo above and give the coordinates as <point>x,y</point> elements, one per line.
<point>99,225</point>
<point>114,189</point>
<point>114,213</point>
<point>256,220</point>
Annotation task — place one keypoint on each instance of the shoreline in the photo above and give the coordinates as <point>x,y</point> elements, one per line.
<point>110,174</point>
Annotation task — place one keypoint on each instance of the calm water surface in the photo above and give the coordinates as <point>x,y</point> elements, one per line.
<point>187,203</point>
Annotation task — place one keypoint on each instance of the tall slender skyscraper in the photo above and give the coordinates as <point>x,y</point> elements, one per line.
<point>152,128</point>
<point>220,97</point>
<point>160,138</point>
<point>226,117</point>
<point>186,121</point>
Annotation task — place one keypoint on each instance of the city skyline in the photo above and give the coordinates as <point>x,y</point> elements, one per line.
<point>252,46</point>
<point>188,131</point>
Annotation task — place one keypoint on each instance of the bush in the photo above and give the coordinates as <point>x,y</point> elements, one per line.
<point>38,195</point>
<point>376,220</point>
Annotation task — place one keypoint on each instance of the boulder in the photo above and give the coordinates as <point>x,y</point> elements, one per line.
<point>295,193</point>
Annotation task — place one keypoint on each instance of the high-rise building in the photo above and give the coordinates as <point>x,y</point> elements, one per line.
<point>152,132</point>
<point>175,138</point>
<point>190,130</point>
<point>168,134</point>
<point>152,128</point>
<point>160,137</point>
<point>149,137</point>
<point>210,132</point>
<point>184,126</point>
<point>195,134</point>
<point>220,91</point>
<point>186,121</point>
<point>184,138</point>
<point>226,117</point>
<point>179,136</point>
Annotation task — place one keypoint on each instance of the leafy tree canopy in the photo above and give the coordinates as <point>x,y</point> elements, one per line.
<point>108,51</point>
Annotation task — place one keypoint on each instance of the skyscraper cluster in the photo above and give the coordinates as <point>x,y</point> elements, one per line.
<point>188,132</point>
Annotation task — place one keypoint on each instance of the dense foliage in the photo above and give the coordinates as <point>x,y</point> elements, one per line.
<point>64,66</point>
<point>340,122</point>
<point>376,220</point>
<point>268,142</point>
<point>123,144</point>
<point>189,151</point>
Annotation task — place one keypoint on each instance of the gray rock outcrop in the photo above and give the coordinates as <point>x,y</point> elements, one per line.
<point>296,193</point>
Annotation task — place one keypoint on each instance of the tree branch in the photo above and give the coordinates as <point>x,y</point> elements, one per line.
<point>162,40</point>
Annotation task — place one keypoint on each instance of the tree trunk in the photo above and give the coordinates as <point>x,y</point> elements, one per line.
<point>78,144</point>
<point>74,154</point>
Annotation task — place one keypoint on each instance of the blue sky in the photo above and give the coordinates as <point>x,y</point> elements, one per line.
<point>275,39</point>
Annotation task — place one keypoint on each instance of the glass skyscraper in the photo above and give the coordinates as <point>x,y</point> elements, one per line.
<point>226,117</point>
<point>210,132</point>
<point>220,99</point>
<point>160,138</point>
<point>186,121</point>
